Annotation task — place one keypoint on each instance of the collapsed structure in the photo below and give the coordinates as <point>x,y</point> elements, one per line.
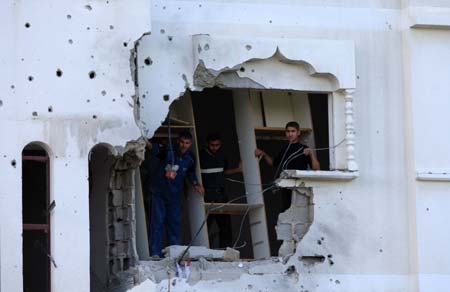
<point>84,84</point>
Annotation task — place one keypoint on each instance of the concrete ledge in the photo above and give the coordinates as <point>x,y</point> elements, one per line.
<point>293,178</point>
<point>322,174</point>
<point>430,175</point>
<point>429,17</point>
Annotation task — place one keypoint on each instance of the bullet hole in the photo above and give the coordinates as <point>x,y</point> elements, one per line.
<point>331,262</point>
<point>27,25</point>
<point>125,44</point>
<point>380,250</point>
<point>253,70</point>
<point>248,47</point>
<point>111,27</point>
<point>88,7</point>
<point>179,8</point>
<point>88,100</point>
<point>121,95</point>
<point>357,76</point>
<point>206,47</point>
<point>200,5</point>
<point>319,242</point>
<point>164,7</point>
<point>162,31</point>
<point>34,114</point>
<point>65,164</point>
<point>50,109</point>
<point>70,41</point>
<point>30,78</point>
<point>330,256</point>
<point>270,21</point>
<point>113,99</point>
<point>337,282</point>
<point>428,209</point>
<point>242,69</point>
<point>59,72</point>
<point>13,163</point>
<point>92,56</point>
<point>166,97</point>
<point>170,38</point>
<point>103,92</point>
<point>12,87</point>
<point>322,238</point>
<point>88,28</point>
<point>127,81</point>
<point>143,96</point>
<point>249,286</point>
<point>69,16</point>
<point>94,117</point>
<point>1,102</point>
<point>92,74</point>
<point>148,61</point>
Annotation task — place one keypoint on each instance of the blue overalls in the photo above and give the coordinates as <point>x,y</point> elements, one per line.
<point>167,200</point>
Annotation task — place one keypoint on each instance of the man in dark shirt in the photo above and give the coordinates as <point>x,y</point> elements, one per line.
<point>174,165</point>
<point>294,155</point>
<point>214,167</point>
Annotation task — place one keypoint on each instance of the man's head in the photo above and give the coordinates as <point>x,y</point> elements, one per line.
<point>214,143</point>
<point>184,141</point>
<point>292,131</point>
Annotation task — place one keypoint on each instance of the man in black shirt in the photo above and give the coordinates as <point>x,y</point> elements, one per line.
<point>293,156</point>
<point>214,167</point>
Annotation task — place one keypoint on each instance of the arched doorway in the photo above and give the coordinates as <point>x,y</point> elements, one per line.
<point>100,164</point>
<point>36,218</point>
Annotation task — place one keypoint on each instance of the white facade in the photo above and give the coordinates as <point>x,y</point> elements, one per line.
<point>380,224</point>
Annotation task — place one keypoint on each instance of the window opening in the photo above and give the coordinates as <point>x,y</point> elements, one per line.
<point>35,218</point>
<point>266,113</point>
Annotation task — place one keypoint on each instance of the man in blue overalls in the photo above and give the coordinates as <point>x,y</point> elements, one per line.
<point>174,166</point>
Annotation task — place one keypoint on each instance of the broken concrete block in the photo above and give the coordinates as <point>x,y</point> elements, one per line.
<point>231,255</point>
<point>197,252</point>
<point>146,286</point>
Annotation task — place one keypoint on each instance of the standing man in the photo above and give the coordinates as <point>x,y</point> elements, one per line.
<point>292,156</point>
<point>174,166</point>
<point>214,167</point>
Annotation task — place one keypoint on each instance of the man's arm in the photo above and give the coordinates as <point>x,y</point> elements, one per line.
<point>315,164</point>
<point>192,177</point>
<point>230,171</point>
<point>261,154</point>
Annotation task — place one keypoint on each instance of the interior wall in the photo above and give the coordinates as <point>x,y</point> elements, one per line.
<point>100,166</point>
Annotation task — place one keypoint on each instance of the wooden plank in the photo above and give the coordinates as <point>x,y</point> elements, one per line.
<point>230,208</point>
<point>45,227</point>
<point>34,158</point>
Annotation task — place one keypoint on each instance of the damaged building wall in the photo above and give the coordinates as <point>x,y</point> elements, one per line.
<point>360,231</point>
<point>65,80</point>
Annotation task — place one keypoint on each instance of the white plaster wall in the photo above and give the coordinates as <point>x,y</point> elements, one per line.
<point>364,222</point>
<point>76,37</point>
<point>427,82</point>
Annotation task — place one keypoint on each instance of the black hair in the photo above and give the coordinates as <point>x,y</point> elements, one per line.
<point>185,135</point>
<point>213,137</point>
<point>293,124</point>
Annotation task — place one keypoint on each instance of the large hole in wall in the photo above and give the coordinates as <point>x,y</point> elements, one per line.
<point>261,119</point>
